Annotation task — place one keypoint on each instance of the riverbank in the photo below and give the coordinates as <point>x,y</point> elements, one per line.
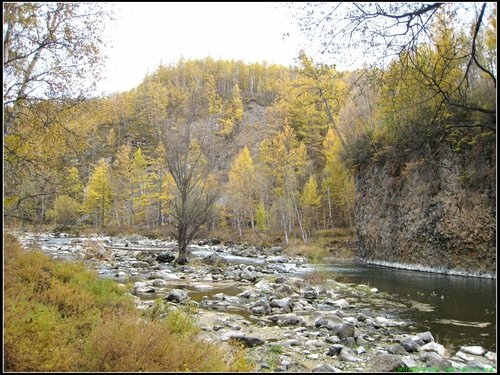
<point>422,268</point>
<point>287,323</point>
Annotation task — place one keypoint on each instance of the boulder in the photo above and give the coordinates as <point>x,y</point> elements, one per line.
<point>177,295</point>
<point>166,257</point>
<point>386,363</point>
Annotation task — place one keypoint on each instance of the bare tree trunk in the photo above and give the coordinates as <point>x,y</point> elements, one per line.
<point>238,221</point>
<point>329,207</point>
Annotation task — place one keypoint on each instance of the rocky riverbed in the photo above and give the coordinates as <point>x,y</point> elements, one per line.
<point>287,323</point>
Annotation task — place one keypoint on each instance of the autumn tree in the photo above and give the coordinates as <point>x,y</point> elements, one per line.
<point>151,107</point>
<point>140,187</point>
<point>241,190</point>
<point>98,196</point>
<point>338,183</point>
<point>122,186</point>
<point>232,112</point>
<point>162,186</point>
<point>311,201</point>
<point>37,155</point>
<point>282,162</point>
<point>440,46</point>
<point>51,51</point>
<point>52,57</point>
<point>195,187</point>
<point>261,217</point>
<point>66,210</point>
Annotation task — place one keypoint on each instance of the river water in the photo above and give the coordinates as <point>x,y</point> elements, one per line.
<point>460,310</point>
<point>463,309</point>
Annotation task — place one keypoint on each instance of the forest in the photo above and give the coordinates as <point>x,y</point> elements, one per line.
<point>269,148</point>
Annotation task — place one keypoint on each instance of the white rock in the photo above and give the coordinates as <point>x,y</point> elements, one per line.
<point>409,361</point>
<point>360,350</point>
<point>159,282</point>
<point>491,356</point>
<point>140,284</point>
<point>350,319</point>
<point>434,347</point>
<point>342,303</point>
<point>171,276</point>
<point>264,286</point>
<point>380,320</point>
<point>461,355</point>
<point>475,350</point>
<point>226,334</point>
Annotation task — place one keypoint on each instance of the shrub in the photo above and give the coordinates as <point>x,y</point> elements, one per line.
<point>131,344</point>
<point>318,276</point>
<point>58,316</point>
<point>66,210</point>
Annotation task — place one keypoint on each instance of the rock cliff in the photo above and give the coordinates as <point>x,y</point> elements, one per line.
<point>428,211</point>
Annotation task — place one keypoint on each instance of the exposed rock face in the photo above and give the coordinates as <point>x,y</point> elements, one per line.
<point>434,211</point>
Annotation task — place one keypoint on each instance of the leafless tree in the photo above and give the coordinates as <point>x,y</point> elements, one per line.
<point>196,186</point>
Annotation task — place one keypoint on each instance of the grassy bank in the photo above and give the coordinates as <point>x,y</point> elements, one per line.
<point>59,316</point>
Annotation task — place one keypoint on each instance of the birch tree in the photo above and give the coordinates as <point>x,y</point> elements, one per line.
<point>50,51</point>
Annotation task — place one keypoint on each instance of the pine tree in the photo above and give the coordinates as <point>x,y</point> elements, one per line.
<point>98,195</point>
<point>122,180</point>
<point>241,189</point>
<point>310,203</point>
<point>282,163</point>
<point>338,182</point>
<point>232,114</point>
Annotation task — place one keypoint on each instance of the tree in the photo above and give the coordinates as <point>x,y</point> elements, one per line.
<point>122,186</point>
<point>385,31</point>
<point>51,51</point>
<point>140,187</point>
<point>72,185</point>
<point>162,185</point>
<point>338,182</point>
<point>98,193</point>
<point>233,112</point>
<point>241,189</point>
<point>37,155</point>
<point>196,187</point>
<point>282,162</point>
<point>310,203</point>
<point>52,58</point>
<point>309,101</point>
<point>261,216</point>
<point>66,210</point>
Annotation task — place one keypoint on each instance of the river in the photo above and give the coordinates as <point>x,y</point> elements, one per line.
<point>463,308</point>
<point>460,310</point>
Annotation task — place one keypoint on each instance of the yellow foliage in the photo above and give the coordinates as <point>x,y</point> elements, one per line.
<point>59,317</point>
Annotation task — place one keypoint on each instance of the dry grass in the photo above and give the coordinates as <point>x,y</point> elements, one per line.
<point>60,317</point>
<point>318,277</point>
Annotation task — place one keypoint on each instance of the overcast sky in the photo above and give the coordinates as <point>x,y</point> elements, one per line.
<point>145,34</point>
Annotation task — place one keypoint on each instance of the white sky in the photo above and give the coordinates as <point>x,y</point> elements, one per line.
<point>145,34</point>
